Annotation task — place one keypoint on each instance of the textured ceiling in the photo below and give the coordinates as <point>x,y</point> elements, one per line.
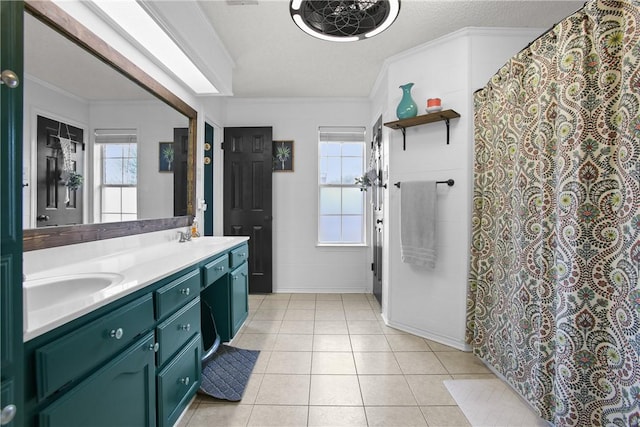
<point>273,58</point>
<point>276,59</point>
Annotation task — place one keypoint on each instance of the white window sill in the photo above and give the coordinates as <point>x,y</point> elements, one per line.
<point>342,245</point>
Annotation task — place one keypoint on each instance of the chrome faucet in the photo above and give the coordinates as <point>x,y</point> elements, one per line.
<point>184,236</point>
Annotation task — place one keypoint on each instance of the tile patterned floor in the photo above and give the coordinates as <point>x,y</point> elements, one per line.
<point>329,360</point>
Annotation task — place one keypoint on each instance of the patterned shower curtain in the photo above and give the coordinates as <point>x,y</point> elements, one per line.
<point>554,293</point>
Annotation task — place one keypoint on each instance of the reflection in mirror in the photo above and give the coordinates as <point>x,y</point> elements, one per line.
<point>114,113</point>
<point>92,139</point>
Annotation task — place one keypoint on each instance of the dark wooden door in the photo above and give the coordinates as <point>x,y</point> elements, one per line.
<point>57,204</point>
<point>377,198</point>
<point>181,156</point>
<point>247,198</point>
<point>11,345</point>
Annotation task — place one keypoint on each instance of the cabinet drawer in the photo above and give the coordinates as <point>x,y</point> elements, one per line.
<point>84,349</point>
<point>239,255</point>
<point>122,393</point>
<point>178,382</point>
<point>174,332</point>
<point>215,270</point>
<point>176,293</point>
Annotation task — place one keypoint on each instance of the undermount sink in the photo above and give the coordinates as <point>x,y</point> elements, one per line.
<point>50,291</point>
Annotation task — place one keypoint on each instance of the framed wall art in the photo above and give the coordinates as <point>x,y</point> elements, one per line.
<point>166,156</point>
<point>283,156</point>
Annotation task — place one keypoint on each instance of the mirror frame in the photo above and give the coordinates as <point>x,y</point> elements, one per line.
<point>40,238</point>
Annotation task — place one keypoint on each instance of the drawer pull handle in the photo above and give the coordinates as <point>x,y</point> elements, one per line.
<point>235,277</point>
<point>185,380</point>
<point>221,268</point>
<point>186,327</point>
<point>154,347</point>
<point>7,414</point>
<point>116,333</point>
<point>185,291</point>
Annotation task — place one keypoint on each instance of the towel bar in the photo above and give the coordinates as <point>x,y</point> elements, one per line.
<point>449,182</point>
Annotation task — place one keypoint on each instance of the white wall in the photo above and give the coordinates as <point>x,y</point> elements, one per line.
<point>432,303</point>
<point>154,122</point>
<point>299,264</point>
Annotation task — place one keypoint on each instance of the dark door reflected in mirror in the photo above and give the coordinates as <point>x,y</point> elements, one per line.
<point>73,182</point>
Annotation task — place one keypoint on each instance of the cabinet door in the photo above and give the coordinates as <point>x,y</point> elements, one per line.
<point>239,283</point>
<point>122,393</point>
<point>11,346</point>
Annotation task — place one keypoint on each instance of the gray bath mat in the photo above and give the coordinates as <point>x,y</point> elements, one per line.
<point>226,373</point>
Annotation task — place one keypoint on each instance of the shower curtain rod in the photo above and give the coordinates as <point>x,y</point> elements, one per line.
<point>449,182</point>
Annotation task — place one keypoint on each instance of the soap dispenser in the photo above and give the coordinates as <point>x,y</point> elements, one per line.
<point>194,228</point>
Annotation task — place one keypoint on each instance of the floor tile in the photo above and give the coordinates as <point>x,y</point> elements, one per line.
<point>328,297</point>
<point>269,314</point>
<point>278,416</point>
<point>419,362</point>
<point>356,305</point>
<point>289,362</point>
<point>274,304</point>
<point>255,341</point>
<point>330,327</point>
<point>337,416</point>
<point>293,342</point>
<point>364,327</point>
<point>252,388</point>
<point>262,327</point>
<point>369,343</point>
<point>359,314</point>
<point>430,390</point>
<point>329,305</point>
<point>297,327</point>
<point>386,390</point>
<point>332,363</point>
<point>299,314</point>
<point>261,363</point>
<point>445,416</point>
<point>388,330</point>
<point>395,416</point>
<point>331,343</point>
<point>376,363</point>
<point>295,297</point>
<point>335,390</point>
<point>462,363</point>
<point>330,315</point>
<point>407,343</point>
<point>302,304</point>
<point>278,389</point>
<point>436,346</point>
<point>221,415</point>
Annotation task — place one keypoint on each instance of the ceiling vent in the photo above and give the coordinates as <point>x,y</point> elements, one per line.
<point>344,21</point>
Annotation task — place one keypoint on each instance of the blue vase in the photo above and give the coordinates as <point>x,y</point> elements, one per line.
<point>407,107</point>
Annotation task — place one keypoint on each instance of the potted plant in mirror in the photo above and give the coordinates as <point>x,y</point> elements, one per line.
<point>74,180</point>
<point>367,180</point>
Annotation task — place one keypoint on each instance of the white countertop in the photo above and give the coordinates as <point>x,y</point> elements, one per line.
<point>134,269</point>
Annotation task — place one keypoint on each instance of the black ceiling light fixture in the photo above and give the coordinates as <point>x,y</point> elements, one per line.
<point>344,20</point>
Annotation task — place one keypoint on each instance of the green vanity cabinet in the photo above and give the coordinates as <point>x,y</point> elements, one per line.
<point>122,393</point>
<point>138,360</point>
<point>228,295</point>
<point>239,289</point>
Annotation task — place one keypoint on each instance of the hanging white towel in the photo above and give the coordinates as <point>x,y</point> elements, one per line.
<point>417,223</point>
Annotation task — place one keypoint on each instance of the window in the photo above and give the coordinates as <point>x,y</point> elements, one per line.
<point>119,166</point>
<point>341,203</point>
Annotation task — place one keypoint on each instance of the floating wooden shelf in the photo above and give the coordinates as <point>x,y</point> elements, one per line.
<point>438,116</point>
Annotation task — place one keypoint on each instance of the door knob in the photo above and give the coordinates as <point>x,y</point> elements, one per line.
<point>7,414</point>
<point>10,79</point>
<point>42,218</point>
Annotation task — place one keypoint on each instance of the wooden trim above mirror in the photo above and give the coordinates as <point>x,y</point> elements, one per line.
<point>41,238</point>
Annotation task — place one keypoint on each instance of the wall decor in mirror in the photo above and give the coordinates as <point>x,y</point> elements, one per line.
<point>92,122</point>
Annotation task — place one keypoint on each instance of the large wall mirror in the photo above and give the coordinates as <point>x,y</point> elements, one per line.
<point>108,151</point>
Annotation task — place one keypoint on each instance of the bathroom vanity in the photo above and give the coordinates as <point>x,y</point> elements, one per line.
<point>128,350</point>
